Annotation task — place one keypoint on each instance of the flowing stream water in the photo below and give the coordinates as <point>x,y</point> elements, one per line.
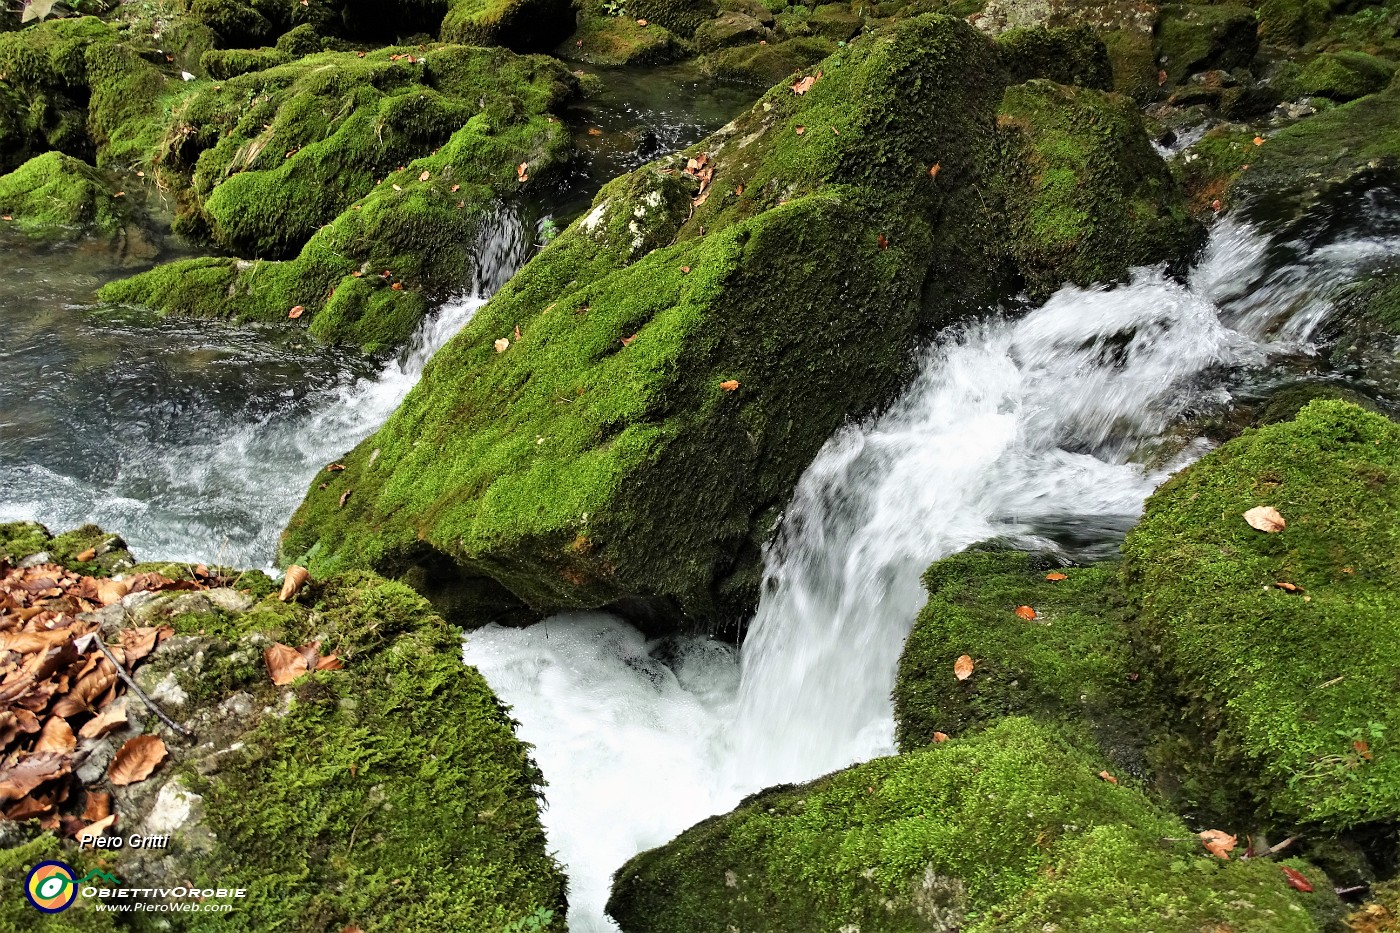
<point>195,441</point>
<point>1048,430</point>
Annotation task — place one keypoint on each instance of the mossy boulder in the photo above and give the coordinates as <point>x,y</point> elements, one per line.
<point>1281,643</point>
<point>391,794</point>
<point>767,64</point>
<point>681,17</point>
<point>523,25</point>
<point>222,64</point>
<point>1068,664</point>
<point>1087,190</point>
<point>1197,37</point>
<point>1008,829</point>
<point>1342,76</point>
<point>1067,55</point>
<point>548,475</point>
<point>391,246</point>
<point>616,40</point>
<point>102,554</point>
<point>56,197</point>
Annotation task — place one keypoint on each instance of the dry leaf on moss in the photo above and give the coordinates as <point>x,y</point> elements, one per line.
<point>962,667</point>
<point>284,663</point>
<point>1265,518</point>
<point>1025,612</point>
<point>1218,842</point>
<point>292,583</point>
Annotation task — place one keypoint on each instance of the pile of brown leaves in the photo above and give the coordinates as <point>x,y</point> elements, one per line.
<point>57,687</point>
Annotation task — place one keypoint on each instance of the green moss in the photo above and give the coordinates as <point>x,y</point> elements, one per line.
<point>768,64</point>
<point>314,142</point>
<point>1073,55</point>
<point>16,913</point>
<point>1010,829</point>
<point>1209,167</point>
<point>1342,76</point>
<point>681,17</point>
<point>1197,37</point>
<point>617,40</point>
<point>402,760</point>
<point>1284,684</point>
<point>55,197</point>
<point>19,540</point>
<point>551,468</point>
<point>1133,61</point>
<point>523,25</point>
<point>222,64</point>
<point>1090,197</point>
<point>1069,665</point>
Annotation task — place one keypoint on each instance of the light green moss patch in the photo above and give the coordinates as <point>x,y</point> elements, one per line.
<point>523,25</point>
<point>1293,689</point>
<point>56,197</point>
<point>1008,829</point>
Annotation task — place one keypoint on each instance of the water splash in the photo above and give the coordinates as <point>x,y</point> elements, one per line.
<point>215,478</point>
<point>1036,430</point>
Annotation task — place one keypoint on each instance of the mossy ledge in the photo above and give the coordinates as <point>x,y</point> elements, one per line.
<point>390,795</point>
<point>831,236</point>
<point>1007,829</point>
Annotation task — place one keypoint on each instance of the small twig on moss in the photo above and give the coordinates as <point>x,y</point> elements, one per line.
<point>1275,850</point>
<point>141,694</point>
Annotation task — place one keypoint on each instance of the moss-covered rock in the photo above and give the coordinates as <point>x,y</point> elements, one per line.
<point>1009,829</point>
<point>523,25</point>
<point>1067,55</point>
<point>101,554</point>
<point>1196,37</point>
<point>1291,685</point>
<point>1088,189</point>
<point>616,40</point>
<point>56,197</point>
<point>314,144</point>
<point>681,17</point>
<point>1342,76</point>
<point>222,64</point>
<point>547,474</point>
<point>388,795</point>
<point>1070,664</point>
<point>767,64</point>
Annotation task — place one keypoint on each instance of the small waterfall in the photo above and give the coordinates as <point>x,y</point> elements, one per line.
<point>208,482</point>
<point>1043,430</point>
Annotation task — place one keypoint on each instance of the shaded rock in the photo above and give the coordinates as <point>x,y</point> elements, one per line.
<point>1196,37</point>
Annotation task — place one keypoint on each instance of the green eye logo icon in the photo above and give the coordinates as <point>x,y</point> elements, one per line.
<point>51,887</point>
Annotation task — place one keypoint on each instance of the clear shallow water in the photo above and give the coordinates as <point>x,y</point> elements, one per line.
<point>1037,430</point>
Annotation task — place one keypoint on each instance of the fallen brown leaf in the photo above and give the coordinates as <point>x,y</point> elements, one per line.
<point>425,176</point>
<point>1296,879</point>
<point>940,737</point>
<point>109,720</point>
<point>56,736</point>
<point>805,85</point>
<point>29,772</point>
<point>1218,842</point>
<point>83,695</point>
<point>935,169</point>
<point>284,663</point>
<point>292,583</point>
<point>98,806</point>
<point>296,312</point>
<point>1025,612</point>
<point>1265,518</point>
<point>522,172</point>
<point>345,497</point>
<point>502,344</point>
<point>97,829</point>
<point>1108,777</point>
<point>85,556</point>
<point>730,385</point>
<point>136,759</point>
<point>1288,587</point>
<point>1056,577</point>
<point>962,667</point>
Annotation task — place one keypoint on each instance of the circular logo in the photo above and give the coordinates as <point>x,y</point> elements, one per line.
<point>51,887</point>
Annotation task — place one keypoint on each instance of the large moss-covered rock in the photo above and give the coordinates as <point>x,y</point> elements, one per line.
<point>267,177</point>
<point>1069,664</point>
<point>388,795</point>
<point>523,25</point>
<point>1342,76</point>
<point>616,40</point>
<point>1283,644</point>
<point>1010,829</point>
<point>56,197</point>
<point>43,90</point>
<point>1067,55</point>
<point>1195,37</point>
<point>562,469</point>
<point>1086,187</point>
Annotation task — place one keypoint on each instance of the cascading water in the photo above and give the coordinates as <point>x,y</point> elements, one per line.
<point>1046,431</point>
<point>198,482</point>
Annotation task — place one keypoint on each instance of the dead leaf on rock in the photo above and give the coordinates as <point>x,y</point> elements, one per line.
<point>97,829</point>
<point>1025,612</point>
<point>522,172</point>
<point>962,667</point>
<point>139,642</point>
<point>109,720</point>
<point>136,759</point>
<point>935,169</point>
<point>83,695</point>
<point>284,663</point>
<point>85,556</point>
<point>292,583</point>
<point>330,662</point>
<point>1218,842</point>
<point>594,131</point>
<point>98,805</point>
<point>425,176</point>
<point>296,312</point>
<point>1265,518</point>
<point>29,772</point>
<point>335,468</point>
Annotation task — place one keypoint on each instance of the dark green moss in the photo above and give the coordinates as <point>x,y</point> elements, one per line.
<point>56,197</point>
<point>1197,37</point>
<point>1342,76</point>
<point>768,64</point>
<point>616,40</point>
<point>1069,55</point>
<point>523,25</point>
<point>19,540</point>
<point>1293,691</point>
<point>1010,829</point>
<point>222,64</point>
<point>1088,196</point>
